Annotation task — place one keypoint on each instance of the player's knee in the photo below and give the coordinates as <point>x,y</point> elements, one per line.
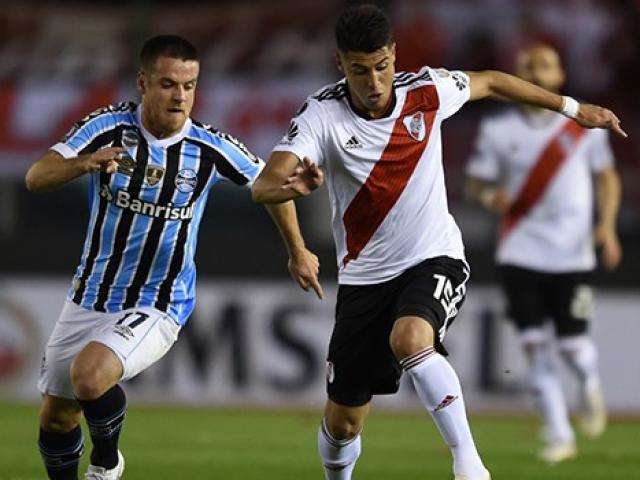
<point>410,336</point>
<point>91,376</point>
<point>344,428</point>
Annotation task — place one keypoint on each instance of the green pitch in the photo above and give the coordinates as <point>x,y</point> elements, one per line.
<point>198,443</point>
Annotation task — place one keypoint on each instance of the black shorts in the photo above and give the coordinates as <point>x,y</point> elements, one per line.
<point>533,297</point>
<point>360,363</point>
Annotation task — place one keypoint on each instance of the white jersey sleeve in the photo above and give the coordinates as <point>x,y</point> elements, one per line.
<point>600,153</point>
<point>484,163</point>
<point>304,137</point>
<point>453,90</point>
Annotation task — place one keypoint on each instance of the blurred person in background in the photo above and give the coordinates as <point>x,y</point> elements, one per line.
<point>402,272</point>
<point>534,167</point>
<point>151,169</point>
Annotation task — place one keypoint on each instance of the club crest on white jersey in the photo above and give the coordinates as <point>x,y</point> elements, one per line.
<point>415,126</point>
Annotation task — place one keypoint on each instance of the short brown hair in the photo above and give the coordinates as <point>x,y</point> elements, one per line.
<point>171,46</point>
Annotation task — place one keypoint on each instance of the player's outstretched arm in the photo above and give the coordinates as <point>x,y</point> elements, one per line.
<point>285,178</point>
<point>501,86</point>
<point>52,171</point>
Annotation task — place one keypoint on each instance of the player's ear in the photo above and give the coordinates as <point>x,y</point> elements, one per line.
<point>338,62</point>
<point>141,81</point>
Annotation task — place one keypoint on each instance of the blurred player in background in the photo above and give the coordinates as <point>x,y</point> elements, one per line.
<point>151,169</point>
<point>402,270</point>
<point>534,168</point>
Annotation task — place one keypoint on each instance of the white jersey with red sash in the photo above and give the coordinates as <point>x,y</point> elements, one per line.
<point>545,161</point>
<point>385,176</point>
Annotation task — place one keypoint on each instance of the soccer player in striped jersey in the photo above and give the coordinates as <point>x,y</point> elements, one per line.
<point>538,177</point>
<point>151,168</point>
<point>375,135</point>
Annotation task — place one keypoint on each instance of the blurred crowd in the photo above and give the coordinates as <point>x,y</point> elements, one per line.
<point>60,60</point>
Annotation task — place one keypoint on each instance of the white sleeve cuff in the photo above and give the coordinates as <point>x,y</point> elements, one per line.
<point>299,152</point>
<point>64,150</point>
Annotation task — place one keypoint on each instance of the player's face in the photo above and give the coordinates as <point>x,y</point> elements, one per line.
<point>541,65</point>
<point>168,93</point>
<point>370,78</point>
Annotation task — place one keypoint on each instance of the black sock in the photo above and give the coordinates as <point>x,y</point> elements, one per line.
<point>61,453</point>
<point>105,416</point>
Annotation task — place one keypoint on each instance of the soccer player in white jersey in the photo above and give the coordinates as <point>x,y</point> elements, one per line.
<point>375,136</point>
<point>151,168</point>
<point>534,167</point>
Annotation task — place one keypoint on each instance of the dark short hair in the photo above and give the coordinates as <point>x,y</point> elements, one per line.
<point>171,46</point>
<point>363,28</point>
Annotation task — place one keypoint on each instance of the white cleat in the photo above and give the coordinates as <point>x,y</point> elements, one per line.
<point>593,420</point>
<point>101,473</point>
<point>557,452</point>
<point>485,476</point>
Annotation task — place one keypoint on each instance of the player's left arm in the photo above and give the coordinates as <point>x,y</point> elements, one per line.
<point>303,265</point>
<point>502,86</point>
<point>609,191</point>
<point>245,168</point>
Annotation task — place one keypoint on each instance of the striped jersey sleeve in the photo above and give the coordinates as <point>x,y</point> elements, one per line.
<point>233,160</point>
<point>94,131</point>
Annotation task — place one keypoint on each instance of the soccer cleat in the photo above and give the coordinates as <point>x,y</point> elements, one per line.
<point>556,452</point>
<point>593,420</point>
<point>101,473</point>
<point>485,476</point>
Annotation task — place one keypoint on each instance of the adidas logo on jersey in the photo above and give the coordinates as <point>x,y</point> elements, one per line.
<point>353,142</point>
<point>291,134</point>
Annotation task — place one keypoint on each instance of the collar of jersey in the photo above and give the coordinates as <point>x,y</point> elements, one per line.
<point>161,142</point>
<point>390,111</point>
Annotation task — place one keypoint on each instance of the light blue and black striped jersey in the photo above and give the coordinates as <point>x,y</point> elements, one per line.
<point>144,219</point>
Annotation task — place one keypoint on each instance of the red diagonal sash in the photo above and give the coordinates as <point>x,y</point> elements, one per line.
<point>544,170</point>
<point>391,173</point>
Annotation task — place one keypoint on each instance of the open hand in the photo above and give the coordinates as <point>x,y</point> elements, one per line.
<point>304,267</point>
<point>305,179</point>
<point>104,160</point>
<point>593,116</point>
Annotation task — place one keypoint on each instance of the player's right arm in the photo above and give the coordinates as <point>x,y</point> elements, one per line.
<point>286,178</point>
<point>483,173</point>
<point>293,170</point>
<point>81,151</point>
<point>52,171</point>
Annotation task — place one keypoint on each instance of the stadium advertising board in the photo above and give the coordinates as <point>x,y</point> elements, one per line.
<point>264,343</point>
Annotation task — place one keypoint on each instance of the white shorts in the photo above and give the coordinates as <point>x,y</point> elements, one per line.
<point>138,336</point>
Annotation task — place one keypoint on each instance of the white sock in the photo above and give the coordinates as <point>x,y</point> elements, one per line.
<point>581,355</point>
<point>439,390</point>
<point>338,456</point>
<point>548,392</point>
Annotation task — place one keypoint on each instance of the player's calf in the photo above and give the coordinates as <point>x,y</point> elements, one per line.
<point>339,442</point>
<point>94,375</point>
<point>440,392</point>
<point>60,438</point>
